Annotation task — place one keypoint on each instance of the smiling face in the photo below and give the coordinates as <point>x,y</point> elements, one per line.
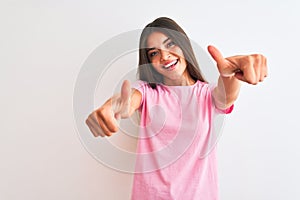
<point>168,59</point>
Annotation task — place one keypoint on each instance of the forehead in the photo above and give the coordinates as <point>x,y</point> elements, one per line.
<point>156,39</point>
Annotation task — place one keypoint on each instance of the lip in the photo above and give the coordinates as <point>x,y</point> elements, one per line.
<point>170,65</point>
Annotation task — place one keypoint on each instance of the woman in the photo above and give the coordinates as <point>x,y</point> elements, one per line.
<point>177,106</point>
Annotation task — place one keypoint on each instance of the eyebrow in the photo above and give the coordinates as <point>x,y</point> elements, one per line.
<point>149,49</point>
<point>166,40</point>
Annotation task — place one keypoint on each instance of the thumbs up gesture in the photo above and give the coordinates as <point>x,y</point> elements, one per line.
<point>249,68</point>
<point>104,120</point>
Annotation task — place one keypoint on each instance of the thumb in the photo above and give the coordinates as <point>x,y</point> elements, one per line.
<point>125,92</point>
<point>224,66</point>
<point>216,54</point>
<point>123,101</point>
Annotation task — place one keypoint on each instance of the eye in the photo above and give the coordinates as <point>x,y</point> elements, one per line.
<point>170,44</point>
<point>152,54</point>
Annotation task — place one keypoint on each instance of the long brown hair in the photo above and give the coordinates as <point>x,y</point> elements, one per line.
<point>171,29</point>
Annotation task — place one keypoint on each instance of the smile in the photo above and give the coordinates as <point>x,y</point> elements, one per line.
<point>171,65</point>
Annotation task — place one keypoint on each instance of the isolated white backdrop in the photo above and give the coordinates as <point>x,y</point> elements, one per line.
<point>43,45</point>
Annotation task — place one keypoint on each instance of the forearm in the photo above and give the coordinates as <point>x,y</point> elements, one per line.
<point>226,92</point>
<point>133,103</point>
<point>249,68</point>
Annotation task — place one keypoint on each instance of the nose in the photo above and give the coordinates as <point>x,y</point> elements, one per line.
<point>165,55</point>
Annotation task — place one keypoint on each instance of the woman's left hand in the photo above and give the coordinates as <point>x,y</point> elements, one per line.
<point>248,68</point>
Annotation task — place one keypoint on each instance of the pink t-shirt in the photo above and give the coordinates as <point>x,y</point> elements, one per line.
<point>176,153</point>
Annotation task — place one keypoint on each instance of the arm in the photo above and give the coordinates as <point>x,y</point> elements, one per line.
<point>104,120</point>
<point>249,68</point>
<point>226,92</point>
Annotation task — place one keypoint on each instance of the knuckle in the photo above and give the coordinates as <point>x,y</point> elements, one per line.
<point>108,134</point>
<point>257,58</point>
<point>101,113</point>
<point>95,133</point>
<point>252,81</point>
<point>87,121</point>
<point>90,117</point>
<point>114,129</point>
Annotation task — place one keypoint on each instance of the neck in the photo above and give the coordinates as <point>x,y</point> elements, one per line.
<point>184,80</point>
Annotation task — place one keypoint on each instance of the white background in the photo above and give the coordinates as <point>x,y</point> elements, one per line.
<point>43,45</point>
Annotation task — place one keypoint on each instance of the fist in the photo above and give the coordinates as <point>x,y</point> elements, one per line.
<point>248,68</point>
<point>104,121</point>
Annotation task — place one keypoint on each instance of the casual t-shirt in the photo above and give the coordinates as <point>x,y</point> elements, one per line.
<point>176,152</point>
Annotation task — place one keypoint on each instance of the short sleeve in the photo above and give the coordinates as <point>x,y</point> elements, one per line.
<point>225,111</point>
<point>141,87</point>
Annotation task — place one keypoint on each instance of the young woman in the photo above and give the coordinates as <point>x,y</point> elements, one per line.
<point>177,108</point>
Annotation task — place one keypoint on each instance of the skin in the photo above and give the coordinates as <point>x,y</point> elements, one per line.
<point>163,51</point>
<point>251,69</point>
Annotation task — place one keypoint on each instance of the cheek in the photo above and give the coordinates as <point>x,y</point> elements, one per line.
<point>155,64</point>
<point>178,52</point>
<point>155,60</point>
<point>183,61</point>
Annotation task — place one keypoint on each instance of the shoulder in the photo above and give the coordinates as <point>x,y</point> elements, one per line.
<point>139,84</point>
<point>204,87</point>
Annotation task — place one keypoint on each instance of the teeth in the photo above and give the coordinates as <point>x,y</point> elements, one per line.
<point>170,64</point>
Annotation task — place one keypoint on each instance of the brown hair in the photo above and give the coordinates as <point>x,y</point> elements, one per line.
<point>171,29</point>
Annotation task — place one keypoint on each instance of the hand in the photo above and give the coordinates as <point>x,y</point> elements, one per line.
<point>104,121</point>
<point>249,68</point>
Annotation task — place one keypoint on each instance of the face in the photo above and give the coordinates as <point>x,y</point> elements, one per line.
<point>167,58</point>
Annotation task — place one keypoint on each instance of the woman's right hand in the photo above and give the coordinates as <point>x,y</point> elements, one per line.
<point>104,121</point>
